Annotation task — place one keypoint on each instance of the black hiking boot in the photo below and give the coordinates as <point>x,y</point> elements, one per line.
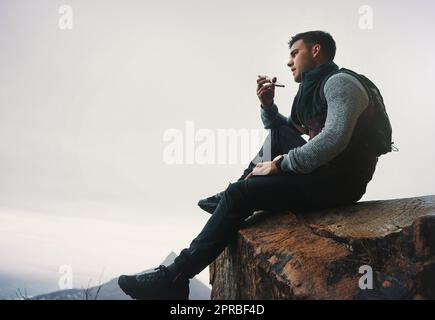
<point>157,285</point>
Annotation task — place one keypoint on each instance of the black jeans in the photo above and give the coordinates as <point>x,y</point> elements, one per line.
<point>322,188</point>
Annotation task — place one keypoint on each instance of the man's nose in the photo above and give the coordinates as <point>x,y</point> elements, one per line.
<point>290,63</point>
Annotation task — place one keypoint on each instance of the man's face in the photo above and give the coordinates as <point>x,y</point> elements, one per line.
<point>301,59</point>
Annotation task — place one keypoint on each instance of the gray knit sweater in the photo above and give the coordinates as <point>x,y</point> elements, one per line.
<point>347,99</point>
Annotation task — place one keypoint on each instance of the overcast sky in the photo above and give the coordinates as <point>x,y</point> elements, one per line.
<point>83,112</point>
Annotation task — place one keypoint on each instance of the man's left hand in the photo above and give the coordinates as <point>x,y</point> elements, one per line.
<point>266,168</point>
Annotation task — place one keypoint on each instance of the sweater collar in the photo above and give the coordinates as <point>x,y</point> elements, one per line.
<point>319,72</point>
<point>306,104</point>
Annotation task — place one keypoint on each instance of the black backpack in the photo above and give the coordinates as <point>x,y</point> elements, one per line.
<point>380,135</point>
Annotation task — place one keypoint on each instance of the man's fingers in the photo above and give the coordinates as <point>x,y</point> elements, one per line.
<point>264,79</point>
<point>259,171</point>
<point>260,92</point>
<point>264,89</point>
<point>261,78</point>
<point>260,82</point>
<point>263,165</point>
<point>256,172</point>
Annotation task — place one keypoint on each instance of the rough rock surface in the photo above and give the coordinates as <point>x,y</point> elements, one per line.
<point>318,255</point>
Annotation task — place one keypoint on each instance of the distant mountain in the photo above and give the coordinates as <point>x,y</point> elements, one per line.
<point>111,291</point>
<point>29,285</point>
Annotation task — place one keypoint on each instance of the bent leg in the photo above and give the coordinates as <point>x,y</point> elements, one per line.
<point>278,141</point>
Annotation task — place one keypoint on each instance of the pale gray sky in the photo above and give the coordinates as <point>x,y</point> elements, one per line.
<point>83,111</point>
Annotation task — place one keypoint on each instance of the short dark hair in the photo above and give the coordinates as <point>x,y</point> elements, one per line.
<point>311,38</point>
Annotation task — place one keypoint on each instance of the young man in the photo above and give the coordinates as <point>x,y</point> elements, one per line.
<point>333,168</point>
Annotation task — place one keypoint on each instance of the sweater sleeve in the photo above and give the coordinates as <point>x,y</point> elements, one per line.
<point>272,119</point>
<point>347,99</point>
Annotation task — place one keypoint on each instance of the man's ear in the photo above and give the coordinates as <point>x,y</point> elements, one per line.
<point>315,50</point>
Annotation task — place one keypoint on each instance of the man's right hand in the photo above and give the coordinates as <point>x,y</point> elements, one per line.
<point>266,91</point>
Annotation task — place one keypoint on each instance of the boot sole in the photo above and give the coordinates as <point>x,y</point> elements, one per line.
<point>123,284</point>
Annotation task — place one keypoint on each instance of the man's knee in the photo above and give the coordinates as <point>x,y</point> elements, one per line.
<point>286,131</point>
<point>235,196</point>
<point>236,190</point>
<point>286,138</point>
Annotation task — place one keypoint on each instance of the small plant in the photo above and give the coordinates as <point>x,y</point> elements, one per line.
<point>87,292</point>
<point>22,295</point>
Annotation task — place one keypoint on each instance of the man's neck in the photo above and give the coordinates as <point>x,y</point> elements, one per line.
<point>315,70</point>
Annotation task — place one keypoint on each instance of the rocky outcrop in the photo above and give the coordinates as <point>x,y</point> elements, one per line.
<point>319,255</point>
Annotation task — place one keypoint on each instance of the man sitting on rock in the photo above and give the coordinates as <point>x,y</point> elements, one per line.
<point>333,168</point>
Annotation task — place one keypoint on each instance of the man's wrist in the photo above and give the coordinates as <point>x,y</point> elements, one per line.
<point>278,162</point>
<point>267,107</point>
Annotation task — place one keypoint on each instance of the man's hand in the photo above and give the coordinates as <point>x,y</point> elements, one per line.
<point>266,93</point>
<point>266,168</point>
